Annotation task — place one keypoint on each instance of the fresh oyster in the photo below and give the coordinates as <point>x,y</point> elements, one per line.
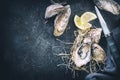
<point>82,55</point>
<point>81,50</point>
<point>61,21</point>
<point>94,35</point>
<point>108,5</point>
<point>98,53</point>
<point>53,10</point>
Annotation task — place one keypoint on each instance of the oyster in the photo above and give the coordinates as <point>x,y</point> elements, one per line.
<point>98,53</point>
<point>53,10</point>
<point>87,39</point>
<point>95,35</point>
<point>108,5</point>
<point>61,21</point>
<point>77,42</point>
<point>82,55</point>
<point>80,52</point>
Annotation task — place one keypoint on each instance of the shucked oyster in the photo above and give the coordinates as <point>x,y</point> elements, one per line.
<point>108,5</point>
<point>61,21</point>
<point>81,52</point>
<point>82,55</point>
<point>53,10</point>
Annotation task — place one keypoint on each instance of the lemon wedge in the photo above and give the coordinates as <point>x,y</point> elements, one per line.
<point>77,20</point>
<point>87,17</point>
<point>83,21</point>
<point>86,26</point>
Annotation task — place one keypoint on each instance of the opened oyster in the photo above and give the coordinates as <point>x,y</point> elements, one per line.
<point>82,55</point>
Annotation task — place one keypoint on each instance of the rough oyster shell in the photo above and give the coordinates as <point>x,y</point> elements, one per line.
<point>94,34</point>
<point>98,53</point>
<point>108,5</point>
<point>53,10</point>
<point>61,21</point>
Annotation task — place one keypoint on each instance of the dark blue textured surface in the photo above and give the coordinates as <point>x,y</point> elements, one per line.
<point>26,41</point>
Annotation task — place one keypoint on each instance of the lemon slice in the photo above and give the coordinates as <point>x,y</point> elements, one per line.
<point>87,17</point>
<point>77,21</point>
<point>83,21</point>
<point>85,26</point>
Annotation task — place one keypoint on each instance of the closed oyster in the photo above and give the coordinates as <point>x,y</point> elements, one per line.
<point>80,52</point>
<point>61,21</point>
<point>95,35</point>
<point>108,5</point>
<point>53,10</point>
<point>98,53</point>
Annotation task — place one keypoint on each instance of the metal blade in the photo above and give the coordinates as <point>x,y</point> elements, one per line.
<point>102,22</point>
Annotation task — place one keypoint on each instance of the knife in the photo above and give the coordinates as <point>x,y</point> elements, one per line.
<point>110,41</point>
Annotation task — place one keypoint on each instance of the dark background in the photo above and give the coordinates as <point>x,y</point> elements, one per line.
<point>26,41</point>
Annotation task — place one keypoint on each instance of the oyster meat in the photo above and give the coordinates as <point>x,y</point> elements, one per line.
<point>82,55</point>
<point>81,52</point>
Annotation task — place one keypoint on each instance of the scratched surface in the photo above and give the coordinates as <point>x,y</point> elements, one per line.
<point>28,46</point>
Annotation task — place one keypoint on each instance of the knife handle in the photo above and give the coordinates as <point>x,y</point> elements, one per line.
<point>113,48</point>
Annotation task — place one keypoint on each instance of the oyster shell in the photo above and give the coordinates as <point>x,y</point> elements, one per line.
<point>53,10</point>
<point>61,21</point>
<point>81,52</point>
<point>82,55</point>
<point>108,5</point>
<point>98,53</point>
<point>94,35</point>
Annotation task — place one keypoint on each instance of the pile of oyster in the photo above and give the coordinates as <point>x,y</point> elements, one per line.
<point>86,53</point>
<point>61,21</point>
<point>86,49</point>
<point>63,13</point>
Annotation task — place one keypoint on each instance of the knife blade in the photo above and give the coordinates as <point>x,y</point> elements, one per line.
<point>109,38</point>
<point>102,22</point>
